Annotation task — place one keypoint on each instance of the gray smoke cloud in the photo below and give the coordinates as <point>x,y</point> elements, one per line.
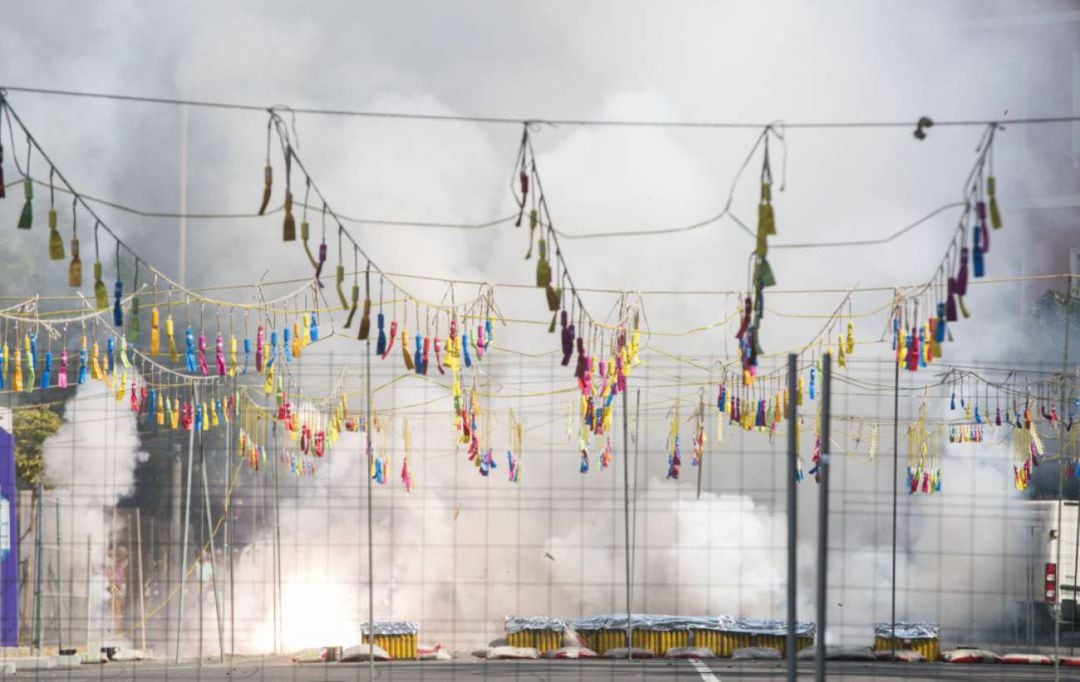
<point>461,551</point>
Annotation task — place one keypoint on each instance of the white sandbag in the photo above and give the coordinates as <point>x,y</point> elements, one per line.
<point>970,656</point>
<point>512,653</point>
<point>689,652</point>
<point>93,657</point>
<point>133,655</point>
<point>623,652</point>
<point>312,655</point>
<point>481,653</point>
<point>902,656</point>
<point>433,653</point>
<point>68,661</point>
<point>1027,659</point>
<point>7,668</point>
<point>30,663</point>
<point>756,653</point>
<point>360,652</point>
<point>838,653</point>
<point>573,638</point>
<point>570,652</point>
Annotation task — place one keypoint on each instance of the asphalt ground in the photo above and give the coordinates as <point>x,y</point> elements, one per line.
<point>579,671</point>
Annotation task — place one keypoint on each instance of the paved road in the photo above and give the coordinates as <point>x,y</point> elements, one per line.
<point>275,670</point>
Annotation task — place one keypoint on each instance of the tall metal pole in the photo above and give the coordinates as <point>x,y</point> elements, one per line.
<point>895,496</point>
<point>823,515</point>
<point>792,511</point>
<point>187,526</point>
<point>88,600</point>
<point>213,563</point>
<point>142,589</point>
<point>39,523</point>
<point>626,512</point>
<point>228,521</point>
<point>59,582</point>
<point>277,550</point>
<point>1061,487</point>
<point>370,531</point>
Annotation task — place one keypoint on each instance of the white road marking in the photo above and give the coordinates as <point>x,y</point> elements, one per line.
<point>703,670</point>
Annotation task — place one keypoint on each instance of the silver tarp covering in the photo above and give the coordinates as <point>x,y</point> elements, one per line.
<point>749,626</point>
<point>519,623</point>
<point>390,627</point>
<point>909,630</point>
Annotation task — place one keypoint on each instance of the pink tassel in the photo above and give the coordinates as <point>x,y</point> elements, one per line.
<point>220,356</point>
<point>61,377</point>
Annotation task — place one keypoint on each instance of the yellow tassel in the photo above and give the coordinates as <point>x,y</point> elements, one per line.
<point>17,382</point>
<point>155,332</point>
<point>850,338</point>
<point>95,366</point>
<point>174,355</point>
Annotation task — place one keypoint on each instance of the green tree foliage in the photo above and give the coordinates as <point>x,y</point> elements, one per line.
<point>32,426</point>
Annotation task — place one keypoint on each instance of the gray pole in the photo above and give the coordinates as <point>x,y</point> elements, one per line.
<point>277,549</point>
<point>823,515</point>
<point>187,525</point>
<point>88,601</point>
<point>1061,488</point>
<point>370,531</point>
<point>213,564</point>
<point>174,535</point>
<point>59,583</point>
<point>39,522</point>
<point>792,514</point>
<point>228,522</point>
<point>142,589</point>
<point>626,513</point>
<point>895,495</point>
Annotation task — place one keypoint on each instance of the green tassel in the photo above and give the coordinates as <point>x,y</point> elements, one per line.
<point>26,218</point>
<point>56,242</point>
<point>352,309</point>
<point>365,321</point>
<point>304,230</point>
<point>765,274</point>
<point>75,269</point>
<point>766,218</point>
<point>554,298</point>
<point>995,213</point>
<point>133,320</point>
<point>101,297</point>
<point>543,268</point>
<point>288,227</point>
<point>339,279</point>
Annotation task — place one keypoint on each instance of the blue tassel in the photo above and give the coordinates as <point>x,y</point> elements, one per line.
<point>150,413</point>
<point>247,354</point>
<point>288,343</point>
<point>220,412</point>
<point>720,398</point>
<point>82,367</point>
<point>118,312</point>
<point>940,331</point>
<point>465,350</point>
<point>198,417</point>
<point>418,357</point>
<point>314,327</point>
<point>110,348</point>
<point>47,372</point>
<point>1,367</point>
<point>273,349</point>
<point>952,400</point>
<point>813,384</point>
<point>487,333</point>
<point>189,353</point>
<point>380,344</point>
